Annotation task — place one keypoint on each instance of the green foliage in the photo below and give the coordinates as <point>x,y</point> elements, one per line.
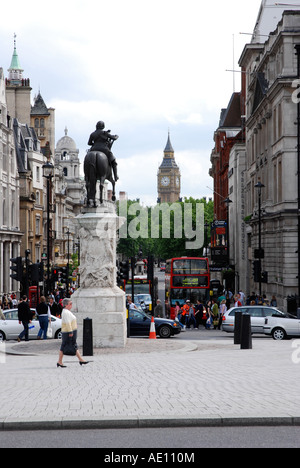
<point>161,247</point>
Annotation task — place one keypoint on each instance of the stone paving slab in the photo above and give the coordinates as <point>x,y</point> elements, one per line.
<point>152,383</point>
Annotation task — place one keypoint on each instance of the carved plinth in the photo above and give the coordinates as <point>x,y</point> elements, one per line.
<point>98,297</point>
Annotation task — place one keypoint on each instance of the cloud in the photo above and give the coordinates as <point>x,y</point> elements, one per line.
<point>143,67</point>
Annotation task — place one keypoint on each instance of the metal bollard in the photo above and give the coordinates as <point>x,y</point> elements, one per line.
<point>87,337</point>
<point>246,337</point>
<point>237,328</point>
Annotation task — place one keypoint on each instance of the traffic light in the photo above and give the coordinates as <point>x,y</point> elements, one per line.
<point>264,277</point>
<point>41,271</point>
<point>34,272</point>
<point>256,271</point>
<point>54,275</point>
<point>17,268</point>
<point>64,275</point>
<point>124,270</point>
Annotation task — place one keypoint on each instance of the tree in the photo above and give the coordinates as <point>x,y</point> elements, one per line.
<point>163,247</point>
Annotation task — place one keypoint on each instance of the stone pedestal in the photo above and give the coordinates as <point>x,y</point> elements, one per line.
<point>98,297</point>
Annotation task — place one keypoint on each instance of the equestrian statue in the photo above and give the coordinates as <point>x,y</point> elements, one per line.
<point>100,163</point>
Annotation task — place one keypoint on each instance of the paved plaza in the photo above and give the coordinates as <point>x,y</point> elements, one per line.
<point>151,383</point>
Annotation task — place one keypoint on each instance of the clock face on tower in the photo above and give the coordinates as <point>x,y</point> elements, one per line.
<point>165,181</point>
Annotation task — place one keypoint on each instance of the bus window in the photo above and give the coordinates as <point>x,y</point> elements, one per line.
<point>199,267</point>
<point>190,267</point>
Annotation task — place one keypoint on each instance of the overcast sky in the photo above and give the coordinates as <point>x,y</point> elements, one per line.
<point>143,67</point>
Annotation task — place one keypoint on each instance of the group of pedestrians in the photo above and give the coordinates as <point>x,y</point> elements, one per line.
<point>191,316</point>
<point>210,315</point>
<point>25,316</point>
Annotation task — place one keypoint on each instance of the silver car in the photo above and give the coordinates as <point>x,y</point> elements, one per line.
<point>258,315</point>
<point>282,328</point>
<point>10,328</point>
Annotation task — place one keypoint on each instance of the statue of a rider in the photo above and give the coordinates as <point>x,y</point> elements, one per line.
<point>102,140</point>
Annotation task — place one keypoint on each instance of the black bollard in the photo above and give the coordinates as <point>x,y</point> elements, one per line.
<point>246,337</point>
<point>87,337</point>
<point>237,328</point>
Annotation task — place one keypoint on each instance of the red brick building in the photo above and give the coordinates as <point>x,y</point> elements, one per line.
<point>227,134</point>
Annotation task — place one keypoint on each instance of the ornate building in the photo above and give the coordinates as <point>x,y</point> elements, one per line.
<point>10,233</point>
<point>168,177</point>
<point>29,161</point>
<point>43,122</point>
<point>18,91</point>
<point>271,156</point>
<point>70,193</point>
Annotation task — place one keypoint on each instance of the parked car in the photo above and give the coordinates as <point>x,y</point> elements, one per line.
<point>10,328</point>
<point>257,313</point>
<point>144,300</point>
<point>282,327</point>
<point>140,323</point>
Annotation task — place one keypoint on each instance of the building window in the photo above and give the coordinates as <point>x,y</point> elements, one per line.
<point>279,121</point>
<point>274,125</point>
<point>279,179</point>
<point>13,221</point>
<point>37,226</point>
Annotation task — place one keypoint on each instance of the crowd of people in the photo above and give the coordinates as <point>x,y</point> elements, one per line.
<point>210,314</point>
<point>190,316</point>
<point>54,300</point>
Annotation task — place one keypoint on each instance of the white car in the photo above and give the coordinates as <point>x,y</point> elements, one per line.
<point>258,315</point>
<point>10,328</point>
<point>282,328</point>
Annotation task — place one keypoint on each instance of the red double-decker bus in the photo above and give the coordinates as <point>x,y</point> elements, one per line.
<point>187,278</point>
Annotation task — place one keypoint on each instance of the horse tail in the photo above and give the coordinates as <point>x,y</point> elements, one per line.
<point>89,163</point>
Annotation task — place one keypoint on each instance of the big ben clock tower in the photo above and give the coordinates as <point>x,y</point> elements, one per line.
<point>168,177</point>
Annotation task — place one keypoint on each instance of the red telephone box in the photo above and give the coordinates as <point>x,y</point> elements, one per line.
<point>33,296</point>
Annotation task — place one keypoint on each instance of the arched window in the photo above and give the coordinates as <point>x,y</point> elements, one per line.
<point>36,123</point>
<point>65,172</point>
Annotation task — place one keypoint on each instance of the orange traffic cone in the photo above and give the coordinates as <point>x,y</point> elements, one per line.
<point>152,335</point>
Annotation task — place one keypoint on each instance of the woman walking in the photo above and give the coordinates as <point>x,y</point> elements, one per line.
<point>69,332</point>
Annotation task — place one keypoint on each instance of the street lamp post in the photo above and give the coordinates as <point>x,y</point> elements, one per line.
<point>205,253</point>
<point>48,173</point>
<point>259,186</point>
<point>68,263</point>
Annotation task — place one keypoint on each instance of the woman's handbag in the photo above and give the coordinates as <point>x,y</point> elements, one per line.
<point>49,332</point>
<point>70,347</point>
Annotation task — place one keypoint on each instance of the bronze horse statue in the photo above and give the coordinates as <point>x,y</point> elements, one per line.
<point>97,167</point>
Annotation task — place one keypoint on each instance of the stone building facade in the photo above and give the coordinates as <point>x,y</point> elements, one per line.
<point>70,194</point>
<point>10,232</point>
<point>271,140</point>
